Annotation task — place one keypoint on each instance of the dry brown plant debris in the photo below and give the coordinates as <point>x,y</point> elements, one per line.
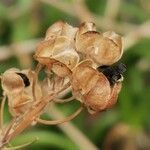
<point>78,58</point>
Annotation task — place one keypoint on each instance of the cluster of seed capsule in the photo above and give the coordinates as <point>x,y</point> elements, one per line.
<point>82,56</point>
<point>86,57</point>
<point>81,59</point>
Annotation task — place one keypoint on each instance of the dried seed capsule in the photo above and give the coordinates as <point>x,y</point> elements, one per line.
<point>104,49</point>
<point>85,27</point>
<point>93,88</point>
<point>17,86</point>
<point>54,30</point>
<point>61,28</point>
<point>58,52</point>
<point>11,82</point>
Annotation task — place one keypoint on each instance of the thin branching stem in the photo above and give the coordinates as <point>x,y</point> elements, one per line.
<point>66,100</point>
<point>2,111</point>
<point>59,121</point>
<point>21,123</point>
<point>72,131</point>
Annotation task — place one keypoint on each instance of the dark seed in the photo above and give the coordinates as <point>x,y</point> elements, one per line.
<point>25,79</point>
<point>113,73</point>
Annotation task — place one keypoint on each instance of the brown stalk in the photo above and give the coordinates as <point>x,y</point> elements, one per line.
<point>35,76</point>
<point>59,121</point>
<point>2,110</point>
<point>112,9</point>
<point>27,119</point>
<point>72,131</point>
<point>21,123</point>
<point>59,100</point>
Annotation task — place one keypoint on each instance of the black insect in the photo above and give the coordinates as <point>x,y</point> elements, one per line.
<point>113,73</point>
<point>25,79</point>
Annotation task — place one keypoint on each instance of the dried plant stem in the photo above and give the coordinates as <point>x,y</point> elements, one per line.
<point>25,120</point>
<point>112,9</point>
<point>59,100</point>
<point>21,123</point>
<point>59,121</point>
<point>72,132</point>
<point>86,15</point>
<point>134,36</point>
<point>61,5</point>
<point>35,76</point>
<point>4,134</point>
<point>26,62</point>
<point>82,11</point>
<point>25,47</point>
<point>2,111</point>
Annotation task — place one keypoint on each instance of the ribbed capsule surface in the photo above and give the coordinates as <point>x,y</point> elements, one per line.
<point>60,48</point>
<point>93,88</point>
<point>103,48</point>
<point>17,86</point>
<point>12,82</point>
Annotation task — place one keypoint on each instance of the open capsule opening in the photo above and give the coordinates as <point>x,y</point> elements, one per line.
<point>113,73</point>
<point>25,79</point>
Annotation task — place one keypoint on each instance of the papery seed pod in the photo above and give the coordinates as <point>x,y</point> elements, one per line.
<point>93,88</point>
<point>12,82</point>
<point>85,27</point>
<point>104,49</point>
<point>69,31</point>
<point>54,30</point>
<point>17,86</point>
<point>58,52</point>
<point>61,28</point>
<point>84,77</point>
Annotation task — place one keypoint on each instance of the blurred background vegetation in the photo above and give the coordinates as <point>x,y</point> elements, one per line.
<point>127,125</point>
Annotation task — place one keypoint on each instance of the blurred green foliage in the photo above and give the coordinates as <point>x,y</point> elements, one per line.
<point>24,20</point>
